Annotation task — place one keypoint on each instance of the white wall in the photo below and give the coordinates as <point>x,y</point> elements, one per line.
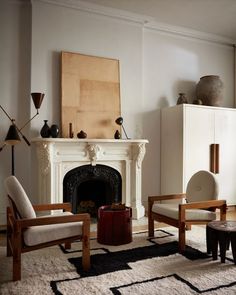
<point>15,23</point>
<point>154,68</point>
<point>88,34</point>
<point>173,64</point>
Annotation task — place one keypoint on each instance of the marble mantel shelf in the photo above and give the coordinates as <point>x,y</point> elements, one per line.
<point>57,156</point>
<point>78,140</point>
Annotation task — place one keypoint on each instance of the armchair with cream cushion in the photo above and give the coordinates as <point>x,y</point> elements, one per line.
<point>197,206</point>
<point>27,232</point>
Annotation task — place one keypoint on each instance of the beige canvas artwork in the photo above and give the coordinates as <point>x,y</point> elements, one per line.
<point>90,95</point>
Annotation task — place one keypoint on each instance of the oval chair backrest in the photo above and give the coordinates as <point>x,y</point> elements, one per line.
<point>19,197</point>
<point>202,186</point>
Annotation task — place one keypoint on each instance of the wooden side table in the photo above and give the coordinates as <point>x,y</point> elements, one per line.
<point>222,233</point>
<point>114,227</point>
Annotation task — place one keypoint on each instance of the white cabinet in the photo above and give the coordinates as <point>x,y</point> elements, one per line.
<point>187,131</point>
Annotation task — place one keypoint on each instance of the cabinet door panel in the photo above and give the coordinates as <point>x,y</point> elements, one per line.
<point>225,135</point>
<point>187,133</point>
<point>199,134</point>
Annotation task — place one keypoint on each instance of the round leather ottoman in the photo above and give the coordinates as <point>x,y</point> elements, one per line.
<point>114,226</point>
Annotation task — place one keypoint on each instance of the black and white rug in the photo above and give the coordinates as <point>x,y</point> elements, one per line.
<point>145,266</point>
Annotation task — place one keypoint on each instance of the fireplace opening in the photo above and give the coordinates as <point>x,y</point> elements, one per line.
<point>88,187</point>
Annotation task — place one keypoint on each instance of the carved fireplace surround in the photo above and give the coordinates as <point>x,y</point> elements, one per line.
<point>58,156</point>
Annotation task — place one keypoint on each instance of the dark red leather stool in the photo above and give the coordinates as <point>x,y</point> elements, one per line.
<point>114,226</point>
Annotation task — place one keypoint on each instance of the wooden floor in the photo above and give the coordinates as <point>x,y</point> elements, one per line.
<point>137,225</point>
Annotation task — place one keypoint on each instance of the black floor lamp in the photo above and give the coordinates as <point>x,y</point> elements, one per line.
<point>13,137</point>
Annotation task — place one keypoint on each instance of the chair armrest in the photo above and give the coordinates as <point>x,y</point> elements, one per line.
<point>152,199</point>
<point>203,204</point>
<point>166,197</point>
<point>221,204</point>
<point>24,223</point>
<point>45,207</point>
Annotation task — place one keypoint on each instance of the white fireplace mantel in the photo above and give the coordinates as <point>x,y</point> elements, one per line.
<point>57,156</point>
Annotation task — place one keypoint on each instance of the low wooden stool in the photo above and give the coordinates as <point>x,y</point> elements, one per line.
<point>222,233</point>
<point>114,226</point>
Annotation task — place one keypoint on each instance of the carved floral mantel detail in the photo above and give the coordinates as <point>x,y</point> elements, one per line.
<point>141,150</point>
<point>93,150</point>
<point>57,156</point>
<point>43,154</point>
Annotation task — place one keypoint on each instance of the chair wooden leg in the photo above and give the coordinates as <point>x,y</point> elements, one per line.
<point>223,210</point>
<point>181,238</point>
<point>9,234</point>
<point>150,220</point>
<point>86,246</point>
<point>86,254</point>
<point>188,226</point>
<point>17,256</point>
<point>150,226</point>
<point>9,252</point>
<point>16,266</point>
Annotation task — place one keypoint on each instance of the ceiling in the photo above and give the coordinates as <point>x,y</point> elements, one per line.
<point>209,16</point>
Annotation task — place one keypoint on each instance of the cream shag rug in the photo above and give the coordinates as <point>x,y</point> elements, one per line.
<point>145,266</point>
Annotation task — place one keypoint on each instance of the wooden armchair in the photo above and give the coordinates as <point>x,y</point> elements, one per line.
<point>197,206</point>
<point>26,232</point>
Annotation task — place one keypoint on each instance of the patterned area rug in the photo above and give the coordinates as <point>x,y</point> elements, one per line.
<point>145,266</point>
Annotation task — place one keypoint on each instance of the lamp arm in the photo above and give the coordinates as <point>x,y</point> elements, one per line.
<point>25,139</point>
<point>19,130</point>
<point>2,147</point>
<point>124,131</point>
<point>28,121</point>
<point>6,113</point>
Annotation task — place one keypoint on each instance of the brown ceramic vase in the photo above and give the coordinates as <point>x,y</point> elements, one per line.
<point>210,90</point>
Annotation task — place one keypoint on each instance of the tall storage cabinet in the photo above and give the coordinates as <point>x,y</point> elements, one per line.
<point>187,132</point>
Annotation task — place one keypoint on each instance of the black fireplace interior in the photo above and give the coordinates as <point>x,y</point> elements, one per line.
<point>88,187</point>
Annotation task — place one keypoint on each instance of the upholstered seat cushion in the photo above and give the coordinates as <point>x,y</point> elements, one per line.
<point>172,211</point>
<point>35,235</point>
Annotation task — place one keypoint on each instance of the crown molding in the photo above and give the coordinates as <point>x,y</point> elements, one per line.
<point>190,33</point>
<point>145,21</point>
<point>97,9</point>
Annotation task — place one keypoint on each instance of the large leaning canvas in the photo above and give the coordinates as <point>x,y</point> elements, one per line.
<point>90,98</point>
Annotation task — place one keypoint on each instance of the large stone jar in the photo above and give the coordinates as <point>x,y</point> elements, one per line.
<point>210,90</point>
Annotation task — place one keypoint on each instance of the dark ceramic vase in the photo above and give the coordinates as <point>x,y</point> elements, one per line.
<point>54,130</point>
<point>82,134</point>
<point>45,131</point>
<point>117,135</point>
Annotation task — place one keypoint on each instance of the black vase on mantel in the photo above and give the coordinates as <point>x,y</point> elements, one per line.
<point>117,135</point>
<point>54,130</point>
<point>82,134</point>
<point>45,131</point>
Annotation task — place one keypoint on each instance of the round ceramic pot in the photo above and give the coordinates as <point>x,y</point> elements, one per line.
<point>54,130</point>
<point>210,90</point>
